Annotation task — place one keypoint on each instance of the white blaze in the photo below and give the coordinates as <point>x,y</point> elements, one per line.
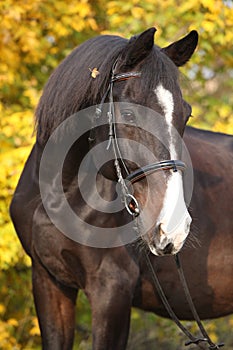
<point>174,217</point>
<point>166,102</point>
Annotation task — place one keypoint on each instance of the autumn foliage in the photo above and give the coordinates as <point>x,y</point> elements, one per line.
<point>34,37</point>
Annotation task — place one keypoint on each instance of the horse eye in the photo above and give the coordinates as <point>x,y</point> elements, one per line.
<point>128,116</point>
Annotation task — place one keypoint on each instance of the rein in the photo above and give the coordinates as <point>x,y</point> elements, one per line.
<point>133,209</point>
<point>192,339</point>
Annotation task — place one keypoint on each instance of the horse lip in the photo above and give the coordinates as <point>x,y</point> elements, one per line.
<point>160,250</point>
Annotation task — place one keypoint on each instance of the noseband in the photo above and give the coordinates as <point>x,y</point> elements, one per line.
<point>130,201</point>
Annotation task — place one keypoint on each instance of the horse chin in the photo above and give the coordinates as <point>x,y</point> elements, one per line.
<point>163,252</point>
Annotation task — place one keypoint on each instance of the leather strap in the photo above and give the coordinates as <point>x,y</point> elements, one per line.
<point>125,76</point>
<point>151,168</point>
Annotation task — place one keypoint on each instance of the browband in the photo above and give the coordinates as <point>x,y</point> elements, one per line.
<point>124,76</point>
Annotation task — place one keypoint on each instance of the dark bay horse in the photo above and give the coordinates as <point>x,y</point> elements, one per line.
<point>119,76</point>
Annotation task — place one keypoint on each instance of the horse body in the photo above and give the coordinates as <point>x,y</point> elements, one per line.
<point>117,278</point>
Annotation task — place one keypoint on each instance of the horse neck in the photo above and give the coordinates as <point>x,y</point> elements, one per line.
<point>73,161</point>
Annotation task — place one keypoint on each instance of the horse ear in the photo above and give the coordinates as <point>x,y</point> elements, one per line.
<point>181,51</point>
<point>138,48</point>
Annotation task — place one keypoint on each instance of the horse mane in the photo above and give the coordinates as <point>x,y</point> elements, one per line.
<point>71,88</point>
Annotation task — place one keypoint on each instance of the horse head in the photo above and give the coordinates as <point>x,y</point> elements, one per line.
<point>145,120</point>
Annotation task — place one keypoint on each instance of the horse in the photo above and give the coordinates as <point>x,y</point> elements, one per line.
<point>139,124</point>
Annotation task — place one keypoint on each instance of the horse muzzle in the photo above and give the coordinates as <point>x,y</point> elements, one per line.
<point>165,242</point>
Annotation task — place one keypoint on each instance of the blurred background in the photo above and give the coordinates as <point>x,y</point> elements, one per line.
<point>35,35</point>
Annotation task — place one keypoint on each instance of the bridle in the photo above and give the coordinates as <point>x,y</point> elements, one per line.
<point>132,206</point>
<point>131,203</point>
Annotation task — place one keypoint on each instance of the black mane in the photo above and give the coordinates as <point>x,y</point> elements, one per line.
<point>71,88</point>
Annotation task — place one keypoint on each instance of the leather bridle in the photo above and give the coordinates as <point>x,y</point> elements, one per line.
<point>132,206</point>
<point>130,201</point>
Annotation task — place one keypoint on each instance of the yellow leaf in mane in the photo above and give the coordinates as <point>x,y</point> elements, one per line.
<point>94,72</point>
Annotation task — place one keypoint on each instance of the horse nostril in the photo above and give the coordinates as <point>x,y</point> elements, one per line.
<point>168,248</point>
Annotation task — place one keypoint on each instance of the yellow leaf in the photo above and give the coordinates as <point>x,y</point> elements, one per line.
<point>35,330</point>
<point>2,309</point>
<point>13,322</point>
<point>94,72</point>
<point>137,12</point>
<point>208,25</point>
